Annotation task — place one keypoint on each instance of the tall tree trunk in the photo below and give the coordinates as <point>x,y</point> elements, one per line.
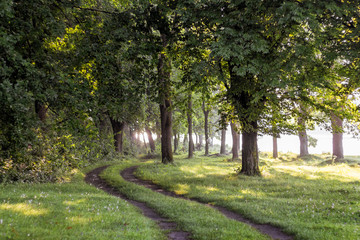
<point>275,146</point>
<point>206,128</point>
<point>235,137</point>
<point>303,143</point>
<point>118,134</point>
<point>302,134</point>
<point>40,110</point>
<point>176,142</point>
<point>150,139</point>
<point>223,141</point>
<point>337,128</point>
<point>250,155</point>
<point>164,68</point>
<point>196,140</point>
<point>189,120</point>
<point>186,140</point>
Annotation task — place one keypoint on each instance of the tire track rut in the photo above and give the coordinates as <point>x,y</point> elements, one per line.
<point>267,229</point>
<point>164,223</point>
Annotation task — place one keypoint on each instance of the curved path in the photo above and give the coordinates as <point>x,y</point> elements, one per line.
<point>164,223</point>
<point>272,231</point>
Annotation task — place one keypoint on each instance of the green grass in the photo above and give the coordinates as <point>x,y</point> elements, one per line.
<point>305,197</point>
<point>201,221</point>
<point>73,210</point>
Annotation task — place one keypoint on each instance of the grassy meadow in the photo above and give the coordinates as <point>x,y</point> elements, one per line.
<point>201,221</point>
<point>310,198</point>
<point>72,210</point>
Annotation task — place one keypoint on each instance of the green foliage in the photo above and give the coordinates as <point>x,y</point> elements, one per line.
<point>84,61</point>
<point>54,154</point>
<point>312,141</point>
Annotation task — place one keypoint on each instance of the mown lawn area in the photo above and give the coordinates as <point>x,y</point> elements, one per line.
<point>72,210</point>
<point>201,221</point>
<point>310,198</point>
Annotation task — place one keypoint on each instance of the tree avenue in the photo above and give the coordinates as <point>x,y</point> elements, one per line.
<point>260,41</point>
<point>70,69</point>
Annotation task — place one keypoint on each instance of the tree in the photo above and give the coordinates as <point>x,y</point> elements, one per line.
<point>206,127</point>
<point>257,41</point>
<point>28,68</point>
<point>337,128</point>
<point>302,133</point>
<point>162,21</point>
<point>190,126</point>
<point>223,141</point>
<point>275,146</point>
<point>236,138</point>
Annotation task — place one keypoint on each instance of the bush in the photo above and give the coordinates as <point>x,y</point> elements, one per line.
<point>53,155</point>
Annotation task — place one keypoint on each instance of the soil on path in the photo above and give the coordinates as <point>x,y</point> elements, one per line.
<point>164,223</point>
<point>272,231</point>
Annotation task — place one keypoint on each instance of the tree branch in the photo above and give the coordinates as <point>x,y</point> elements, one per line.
<point>95,10</point>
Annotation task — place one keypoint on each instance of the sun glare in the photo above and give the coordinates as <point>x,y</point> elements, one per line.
<point>23,208</point>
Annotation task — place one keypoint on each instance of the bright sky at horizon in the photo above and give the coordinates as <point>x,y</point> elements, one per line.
<point>291,143</point>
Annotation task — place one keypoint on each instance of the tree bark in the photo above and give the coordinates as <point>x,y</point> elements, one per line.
<point>189,120</point>
<point>176,142</point>
<point>164,68</point>
<point>185,142</point>
<point>223,142</point>
<point>151,140</point>
<point>235,137</point>
<point>118,134</point>
<point>303,135</point>
<point>337,126</point>
<point>196,141</point>
<point>206,128</point>
<point>303,143</point>
<point>250,155</point>
<point>275,147</point>
<point>166,151</point>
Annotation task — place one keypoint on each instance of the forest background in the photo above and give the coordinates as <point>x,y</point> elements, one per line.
<point>81,79</point>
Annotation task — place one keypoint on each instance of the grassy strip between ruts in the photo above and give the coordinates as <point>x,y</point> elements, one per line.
<point>201,221</point>
<point>73,210</point>
<point>306,197</point>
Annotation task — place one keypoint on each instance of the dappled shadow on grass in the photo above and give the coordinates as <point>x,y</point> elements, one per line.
<point>350,162</point>
<point>65,211</point>
<point>150,156</point>
<point>290,193</point>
